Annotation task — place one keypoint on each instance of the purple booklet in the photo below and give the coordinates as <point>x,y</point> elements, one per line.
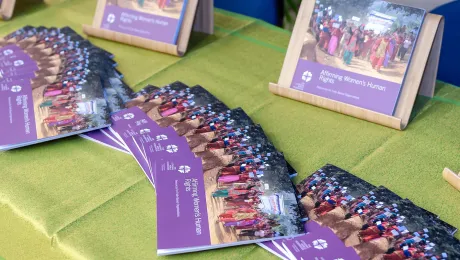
<point>29,115</point>
<point>154,20</point>
<point>358,56</point>
<point>203,204</point>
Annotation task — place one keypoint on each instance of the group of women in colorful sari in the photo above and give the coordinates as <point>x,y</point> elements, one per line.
<point>347,41</point>
<point>389,46</point>
<point>60,101</point>
<point>374,229</point>
<point>162,4</point>
<point>241,197</point>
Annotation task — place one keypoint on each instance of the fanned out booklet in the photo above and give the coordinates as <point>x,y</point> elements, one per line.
<point>349,218</point>
<point>53,84</point>
<point>217,176</point>
<point>222,183</point>
<point>358,52</point>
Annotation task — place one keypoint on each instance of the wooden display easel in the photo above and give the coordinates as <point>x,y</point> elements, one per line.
<point>420,78</point>
<point>199,14</point>
<point>7,9</point>
<point>452,177</point>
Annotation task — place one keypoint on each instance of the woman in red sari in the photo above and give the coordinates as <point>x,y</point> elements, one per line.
<point>325,35</point>
<point>367,45</point>
<point>379,51</point>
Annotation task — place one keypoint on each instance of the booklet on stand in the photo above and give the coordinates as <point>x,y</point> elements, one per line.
<point>358,55</point>
<point>154,20</point>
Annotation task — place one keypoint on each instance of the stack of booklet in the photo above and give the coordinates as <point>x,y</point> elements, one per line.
<point>54,83</point>
<point>220,182</point>
<point>349,218</point>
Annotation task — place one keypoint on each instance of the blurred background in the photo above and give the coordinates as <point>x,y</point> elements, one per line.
<point>282,13</point>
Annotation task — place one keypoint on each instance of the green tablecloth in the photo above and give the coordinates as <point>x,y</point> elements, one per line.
<point>77,199</point>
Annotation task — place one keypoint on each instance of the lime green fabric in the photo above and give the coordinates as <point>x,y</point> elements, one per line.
<point>77,199</point>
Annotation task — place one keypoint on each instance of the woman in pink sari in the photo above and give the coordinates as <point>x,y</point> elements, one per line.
<point>334,42</point>
<point>162,4</point>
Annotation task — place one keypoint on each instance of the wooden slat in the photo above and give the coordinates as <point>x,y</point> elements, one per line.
<point>296,43</point>
<point>339,107</point>
<point>421,67</point>
<point>131,40</point>
<point>7,9</point>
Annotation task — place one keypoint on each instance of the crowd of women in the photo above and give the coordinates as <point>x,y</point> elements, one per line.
<point>376,230</point>
<point>347,41</point>
<point>240,189</point>
<point>60,101</point>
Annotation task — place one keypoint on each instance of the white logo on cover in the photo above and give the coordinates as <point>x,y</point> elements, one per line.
<point>128,116</point>
<point>16,88</point>
<point>320,244</point>
<point>172,148</point>
<point>162,137</point>
<point>184,169</point>
<point>7,52</point>
<point>307,76</point>
<point>144,131</point>
<point>111,18</point>
<point>18,63</point>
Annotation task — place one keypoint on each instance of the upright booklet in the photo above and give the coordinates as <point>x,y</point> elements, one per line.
<point>358,53</point>
<point>158,20</point>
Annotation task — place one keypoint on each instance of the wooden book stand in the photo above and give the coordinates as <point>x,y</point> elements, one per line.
<point>199,15</point>
<point>7,9</point>
<point>420,77</point>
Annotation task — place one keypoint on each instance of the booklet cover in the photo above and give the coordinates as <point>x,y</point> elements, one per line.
<point>358,52</point>
<point>204,209</point>
<point>158,20</point>
<point>30,114</point>
<point>351,219</point>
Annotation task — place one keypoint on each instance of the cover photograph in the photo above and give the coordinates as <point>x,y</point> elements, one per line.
<point>358,52</point>
<point>158,20</point>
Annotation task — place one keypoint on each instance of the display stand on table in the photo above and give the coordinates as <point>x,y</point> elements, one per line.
<point>199,16</point>
<point>452,177</point>
<point>7,9</point>
<point>420,77</point>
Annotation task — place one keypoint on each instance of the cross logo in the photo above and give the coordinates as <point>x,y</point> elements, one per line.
<point>307,76</point>
<point>128,116</point>
<point>320,244</point>
<point>172,148</point>
<point>111,18</point>
<point>162,137</point>
<point>184,169</point>
<point>16,88</point>
<point>18,63</point>
<point>7,52</point>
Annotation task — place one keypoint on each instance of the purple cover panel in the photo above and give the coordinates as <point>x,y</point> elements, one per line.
<point>319,243</point>
<point>183,221</point>
<point>16,113</point>
<point>347,87</point>
<point>141,24</point>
